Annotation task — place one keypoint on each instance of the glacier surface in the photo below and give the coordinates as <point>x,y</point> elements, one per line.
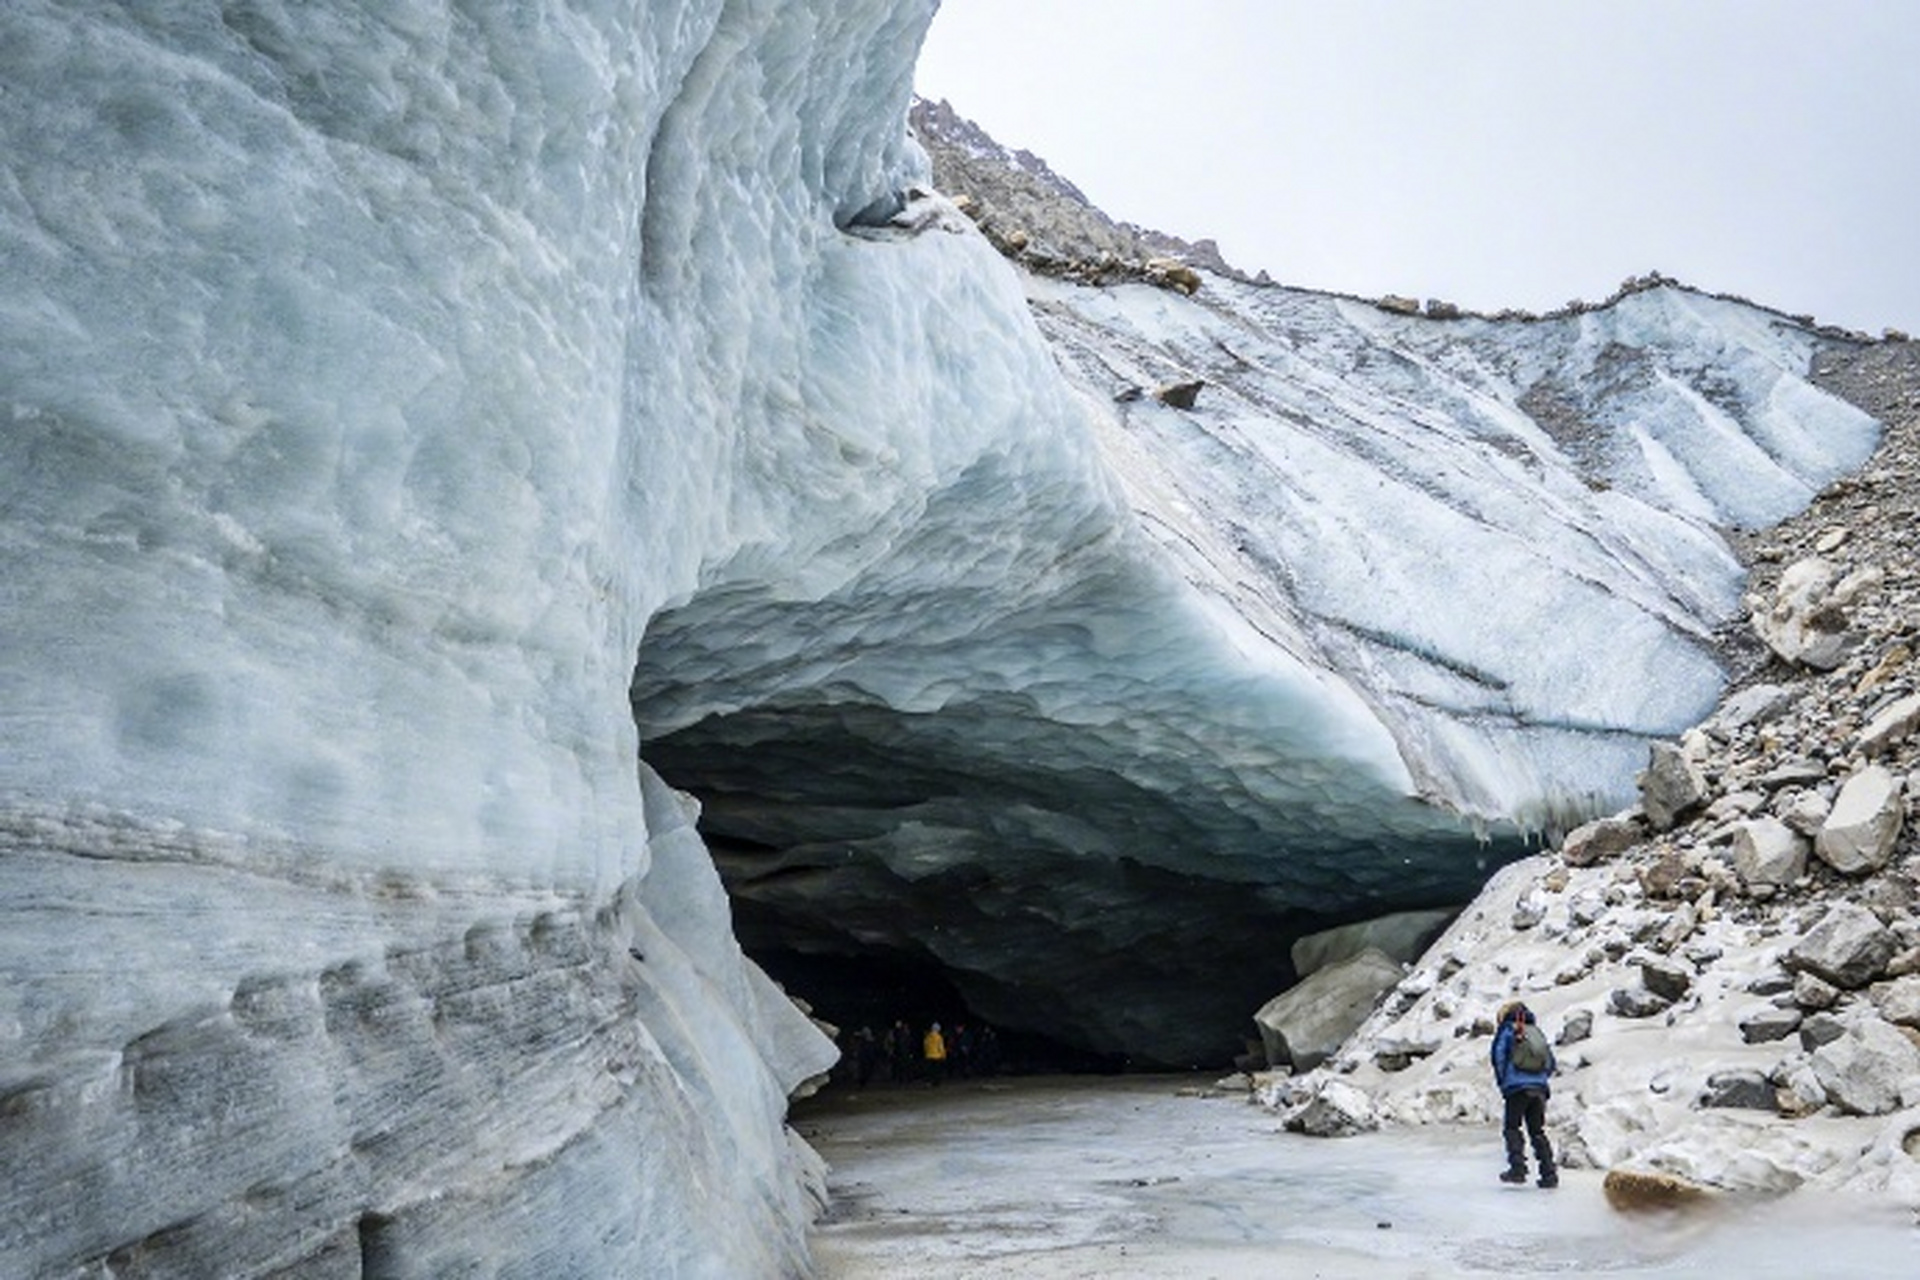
<point>379,381</point>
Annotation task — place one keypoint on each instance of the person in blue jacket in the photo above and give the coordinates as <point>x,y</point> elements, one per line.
<point>1526,1094</point>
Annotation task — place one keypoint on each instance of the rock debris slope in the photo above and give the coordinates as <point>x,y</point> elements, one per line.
<point>1733,965</point>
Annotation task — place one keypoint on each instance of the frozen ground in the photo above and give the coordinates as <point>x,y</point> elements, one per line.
<point>1103,1177</point>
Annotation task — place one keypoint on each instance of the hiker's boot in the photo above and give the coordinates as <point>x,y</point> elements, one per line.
<point>1516,1174</point>
<point>1549,1177</point>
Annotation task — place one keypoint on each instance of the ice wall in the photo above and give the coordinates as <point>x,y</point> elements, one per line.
<point>371,373</point>
<point>1508,537</point>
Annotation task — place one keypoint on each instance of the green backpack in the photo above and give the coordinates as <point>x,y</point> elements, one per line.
<point>1530,1050</point>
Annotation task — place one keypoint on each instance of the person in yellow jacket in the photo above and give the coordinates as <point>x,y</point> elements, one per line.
<point>934,1049</point>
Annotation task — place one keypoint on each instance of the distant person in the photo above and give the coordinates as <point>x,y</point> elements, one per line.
<point>987,1051</point>
<point>934,1049</point>
<point>866,1056</point>
<point>900,1052</point>
<point>1522,1065</point>
<point>963,1049</point>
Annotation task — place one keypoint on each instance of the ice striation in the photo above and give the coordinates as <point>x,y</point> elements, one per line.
<point>437,439</point>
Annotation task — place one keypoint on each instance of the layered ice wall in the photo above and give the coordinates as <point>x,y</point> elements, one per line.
<point>370,374</point>
<point>1507,536</point>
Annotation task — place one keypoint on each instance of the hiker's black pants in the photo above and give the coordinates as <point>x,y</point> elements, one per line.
<point>1527,1107</point>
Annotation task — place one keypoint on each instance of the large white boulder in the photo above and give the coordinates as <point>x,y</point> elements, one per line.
<point>1894,723</point>
<point>1401,936</point>
<point>1766,851</point>
<point>1871,1070</point>
<point>1859,834</point>
<point>1803,623</point>
<point>1306,1024</point>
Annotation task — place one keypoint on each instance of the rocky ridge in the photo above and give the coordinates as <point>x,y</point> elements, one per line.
<point>1045,224</point>
<point>1731,967</point>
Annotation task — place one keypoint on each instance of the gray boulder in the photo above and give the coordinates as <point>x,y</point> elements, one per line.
<point>1766,851</point>
<point>1811,991</point>
<point>1805,812</point>
<point>1635,1002</point>
<point>1529,911</point>
<point>1848,948</point>
<point>1335,1110</point>
<point>1899,1001</point>
<point>1398,1052</point>
<point>1671,786</point>
<point>1755,704</point>
<point>1821,1028</point>
<point>1735,805</point>
<point>1870,1071</point>
<point>1769,1024</point>
<point>1746,1090</point>
<point>1792,773</point>
<point>1600,839</point>
<point>1402,936</point>
<point>1895,722</point>
<point>1306,1024</point>
<point>1859,834</point>
<point>1665,978</point>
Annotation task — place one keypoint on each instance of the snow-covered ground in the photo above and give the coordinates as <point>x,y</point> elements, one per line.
<point>1051,1179</point>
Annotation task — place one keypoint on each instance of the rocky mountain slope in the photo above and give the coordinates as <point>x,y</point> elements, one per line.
<point>1041,220</point>
<point>1732,967</point>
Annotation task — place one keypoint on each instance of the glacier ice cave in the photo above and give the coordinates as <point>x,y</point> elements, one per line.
<point>475,476</point>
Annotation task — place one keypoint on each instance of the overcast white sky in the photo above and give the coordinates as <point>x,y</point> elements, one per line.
<point>1490,152</point>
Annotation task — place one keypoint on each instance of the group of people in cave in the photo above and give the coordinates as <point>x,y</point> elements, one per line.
<point>1523,1064</point>
<point>932,1056</point>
